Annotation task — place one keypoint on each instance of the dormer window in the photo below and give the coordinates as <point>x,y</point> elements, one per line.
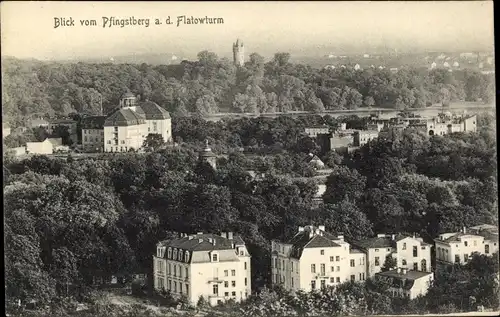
<point>160,252</point>
<point>175,254</point>
<point>404,246</point>
<point>180,255</point>
<point>169,253</point>
<point>214,257</point>
<point>186,256</point>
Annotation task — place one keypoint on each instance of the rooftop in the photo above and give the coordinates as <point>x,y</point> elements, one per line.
<point>124,117</point>
<point>93,122</point>
<point>409,275</point>
<point>311,237</point>
<point>201,242</point>
<point>153,111</point>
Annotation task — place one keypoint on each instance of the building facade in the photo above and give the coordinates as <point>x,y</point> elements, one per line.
<point>313,132</point>
<point>447,125</point>
<point>313,259</point>
<point>216,267</point>
<point>361,137</point>
<point>69,124</point>
<point>458,247</point>
<point>44,147</point>
<point>410,252</point>
<point>407,283</point>
<point>206,155</point>
<point>93,133</point>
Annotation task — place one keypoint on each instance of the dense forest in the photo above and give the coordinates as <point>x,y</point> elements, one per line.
<point>68,221</point>
<point>210,84</point>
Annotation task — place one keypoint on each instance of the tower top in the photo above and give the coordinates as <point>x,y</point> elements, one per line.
<point>238,43</point>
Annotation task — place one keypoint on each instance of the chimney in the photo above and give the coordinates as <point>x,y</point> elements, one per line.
<point>311,155</point>
<point>230,235</point>
<point>223,234</point>
<point>399,270</point>
<point>465,230</point>
<point>232,245</point>
<point>301,229</point>
<point>210,240</point>
<point>322,228</point>
<point>213,242</point>
<point>341,237</point>
<point>393,237</point>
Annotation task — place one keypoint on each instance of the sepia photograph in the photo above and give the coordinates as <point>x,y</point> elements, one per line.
<point>249,158</point>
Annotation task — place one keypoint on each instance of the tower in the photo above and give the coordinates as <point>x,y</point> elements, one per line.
<point>238,53</point>
<point>208,156</point>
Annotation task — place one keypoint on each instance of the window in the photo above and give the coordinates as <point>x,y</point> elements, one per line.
<point>233,272</point>
<point>180,271</point>
<point>215,289</point>
<point>322,252</point>
<point>245,265</point>
<point>323,283</point>
<point>332,268</point>
<point>170,284</point>
<point>486,249</point>
<point>403,262</point>
<point>465,243</point>
<point>338,268</point>
<point>283,267</point>
<point>226,284</point>
<point>233,283</point>
<point>175,286</point>
<point>313,285</point>
<point>154,126</point>
<point>226,273</point>
<point>322,269</point>
<point>186,256</point>
<point>353,263</point>
<point>180,288</point>
<point>233,293</point>
<point>404,246</point>
<point>377,261</point>
<point>246,281</point>
<point>109,141</point>
<point>332,279</point>
<point>85,138</point>
<point>291,266</point>
<point>313,268</point>
<point>415,251</point>
<point>353,278</point>
<point>457,258</point>
<point>376,250</point>
<point>275,262</point>
<point>331,259</point>
<point>415,266</point>
<point>466,258</point>
<point>175,270</point>
<point>292,281</point>
<point>123,141</point>
<point>423,265</point>
<point>226,294</point>
<point>214,257</point>
<point>475,243</point>
<point>337,279</point>
<point>423,248</point>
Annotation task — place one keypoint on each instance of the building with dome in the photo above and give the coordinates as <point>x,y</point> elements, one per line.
<point>127,127</point>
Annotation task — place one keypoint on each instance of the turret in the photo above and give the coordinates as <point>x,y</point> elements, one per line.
<point>208,156</point>
<point>238,53</point>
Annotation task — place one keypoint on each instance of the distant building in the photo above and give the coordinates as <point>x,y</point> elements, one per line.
<point>315,161</point>
<point>93,133</point>
<point>405,283</point>
<point>458,247</point>
<point>433,65</point>
<point>375,126</point>
<point>357,67</point>
<point>45,147</point>
<point>208,156</point>
<point>329,67</point>
<point>5,130</point>
<point>314,259</point>
<point>17,151</point>
<point>393,70</point>
<point>70,124</point>
<point>456,64</point>
<point>361,137</point>
<point>313,132</point>
<point>35,123</point>
<point>446,65</point>
<point>410,252</point>
<point>238,53</point>
<point>446,125</point>
<point>366,55</point>
<point>204,265</point>
<point>128,126</point>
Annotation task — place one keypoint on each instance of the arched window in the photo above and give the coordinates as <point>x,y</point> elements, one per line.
<point>186,257</point>
<point>180,255</point>
<point>424,265</point>
<point>404,246</point>
<point>175,254</point>
<point>169,254</point>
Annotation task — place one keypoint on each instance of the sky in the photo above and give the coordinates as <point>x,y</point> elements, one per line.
<point>27,28</point>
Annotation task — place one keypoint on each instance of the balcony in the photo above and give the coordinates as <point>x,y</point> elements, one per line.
<point>215,280</point>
